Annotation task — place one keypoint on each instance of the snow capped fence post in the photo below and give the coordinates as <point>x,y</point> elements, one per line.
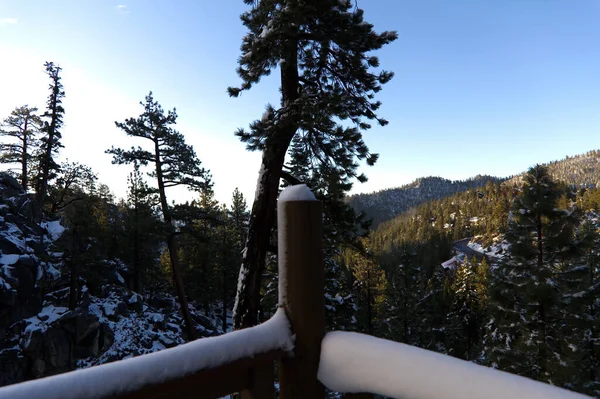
<point>301,289</point>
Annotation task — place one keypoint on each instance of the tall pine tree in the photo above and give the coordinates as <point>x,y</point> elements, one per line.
<point>522,337</point>
<point>51,135</point>
<point>322,48</point>
<point>174,163</point>
<point>22,125</point>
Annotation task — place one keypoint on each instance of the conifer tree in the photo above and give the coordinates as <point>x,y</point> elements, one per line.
<point>522,336</point>
<point>23,124</point>
<point>370,286</point>
<point>203,249</point>
<point>238,215</point>
<point>237,229</point>
<point>468,309</point>
<point>579,278</point>
<point>323,50</point>
<point>404,291</point>
<point>51,135</point>
<point>141,228</point>
<point>174,163</point>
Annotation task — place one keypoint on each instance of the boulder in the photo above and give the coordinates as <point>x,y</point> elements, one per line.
<point>38,368</point>
<point>106,338</point>
<point>173,327</point>
<point>8,296</point>
<point>9,247</point>
<point>58,348</point>
<point>90,346</point>
<point>33,341</point>
<point>13,367</point>
<point>86,325</point>
<point>9,186</point>
<point>122,309</point>
<point>203,321</point>
<point>26,282</point>
<point>28,208</point>
<point>58,298</point>
<point>135,302</point>
<point>36,245</point>
<point>166,341</point>
<point>161,303</point>
<point>33,305</point>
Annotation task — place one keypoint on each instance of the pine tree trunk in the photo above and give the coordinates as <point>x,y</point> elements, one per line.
<point>406,293</point>
<point>74,271</point>
<point>224,299</point>
<point>24,156</point>
<point>542,343</point>
<point>541,311</point>
<point>172,246</point>
<point>259,231</point>
<point>262,217</point>
<point>178,279</point>
<point>369,307</point>
<point>43,186</point>
<point>592,344</point>
<point>137,287</point>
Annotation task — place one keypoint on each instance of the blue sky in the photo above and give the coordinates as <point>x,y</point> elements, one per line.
<point>480,86</point>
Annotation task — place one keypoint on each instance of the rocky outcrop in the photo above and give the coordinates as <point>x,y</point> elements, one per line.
<point>39,336</point>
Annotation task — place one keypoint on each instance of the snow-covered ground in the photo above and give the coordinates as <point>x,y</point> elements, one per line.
<point>54,228</point>
<point>497,249</point>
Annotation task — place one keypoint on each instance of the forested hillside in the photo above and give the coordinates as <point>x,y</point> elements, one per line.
<point>529,307</point>
<point>386,204</point>
<point>380,206</point>
<point>581,170</point>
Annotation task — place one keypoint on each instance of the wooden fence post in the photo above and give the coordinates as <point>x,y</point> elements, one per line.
<point>301,290</point>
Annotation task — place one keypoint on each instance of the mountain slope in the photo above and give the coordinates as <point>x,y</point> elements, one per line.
<point>581,170</point>
<point>387,204</point>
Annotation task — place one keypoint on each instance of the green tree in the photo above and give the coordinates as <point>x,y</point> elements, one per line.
<point>142,230</point>
<point>405,289</point>
<point>174,164</point>
<point>579,278</point>
<point>201,248</point>
<point>525,291</point>
<point>23,125</point>
<point>323,50</point>
<point>370,287</point>
<point>468,309</point>
<point>50,138</point>
<point>237,229</point>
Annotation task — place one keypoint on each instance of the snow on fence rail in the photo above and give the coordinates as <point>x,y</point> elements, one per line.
<point>132,374</point>
<point>352,362</point>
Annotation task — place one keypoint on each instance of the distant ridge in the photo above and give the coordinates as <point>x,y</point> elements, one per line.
<point>386,204</point>
<point>579,170</point>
